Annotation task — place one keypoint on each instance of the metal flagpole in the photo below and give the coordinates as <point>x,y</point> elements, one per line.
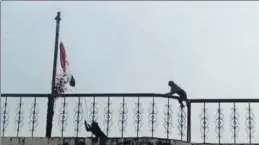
<point>50,111</point>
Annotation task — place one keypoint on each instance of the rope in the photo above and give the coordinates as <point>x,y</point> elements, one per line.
<point>69,74</point>
<point>86,115</point>
<point>85,103</point>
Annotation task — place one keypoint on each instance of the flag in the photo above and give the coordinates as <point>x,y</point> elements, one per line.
<point>62,56</point>
<point>65,66</point>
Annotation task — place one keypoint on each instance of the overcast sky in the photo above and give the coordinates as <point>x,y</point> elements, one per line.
<point>210,49</point>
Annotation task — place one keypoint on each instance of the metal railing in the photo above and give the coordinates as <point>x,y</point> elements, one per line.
<point>132,115</point>
<point>226,120</point>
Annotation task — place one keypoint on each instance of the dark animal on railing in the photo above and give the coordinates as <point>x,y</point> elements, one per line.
<point>96,130</point>
<point>176,89</point>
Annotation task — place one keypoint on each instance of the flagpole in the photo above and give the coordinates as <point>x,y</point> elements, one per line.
<point>50,111</point>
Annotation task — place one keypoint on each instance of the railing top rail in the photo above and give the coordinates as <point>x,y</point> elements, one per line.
<point>247,100</point>
<point>146,95</point>
<point>23,95</point>
<point>95,95</point>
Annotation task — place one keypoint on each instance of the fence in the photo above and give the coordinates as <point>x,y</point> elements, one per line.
<point>133,115</point>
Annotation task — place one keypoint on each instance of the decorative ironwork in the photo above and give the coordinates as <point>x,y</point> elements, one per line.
<point>168,118</point>
<point>108,116</point>
<point>63,116</point>
<point>34,115</point>
<point>5,117</point>
<point>78,116</point>
<point>181,122</point>
<point>152,112</point>
<point>19,117</point>
<point>250,123</point>
<point>138,116</point>
<point>204,122</point>
<point>219,123</point>
<point>123,117</point>
<point>93,110</point>
<point>234,122</point>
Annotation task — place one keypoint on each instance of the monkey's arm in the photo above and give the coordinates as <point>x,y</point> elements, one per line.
<point>87,127</point>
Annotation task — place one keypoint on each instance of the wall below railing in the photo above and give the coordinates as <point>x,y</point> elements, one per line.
<point>87,141</point>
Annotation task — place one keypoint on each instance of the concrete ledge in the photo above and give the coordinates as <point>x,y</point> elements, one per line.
<point>88,141</point>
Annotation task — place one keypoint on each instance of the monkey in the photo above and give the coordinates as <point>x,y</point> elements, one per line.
<point>176,89</point>
<point>95,129</point>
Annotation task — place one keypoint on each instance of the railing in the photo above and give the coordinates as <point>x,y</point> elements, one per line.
<point>225,120</point>
<point>133,115</point>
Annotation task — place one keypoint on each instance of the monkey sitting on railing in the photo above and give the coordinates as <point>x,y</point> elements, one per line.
<point>96,130</point>
<point>176,89</point>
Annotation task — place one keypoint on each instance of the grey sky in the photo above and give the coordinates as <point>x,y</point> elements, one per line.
<point>209,48</point>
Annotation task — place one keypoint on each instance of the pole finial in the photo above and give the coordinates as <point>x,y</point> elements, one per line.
<point>58,17</point>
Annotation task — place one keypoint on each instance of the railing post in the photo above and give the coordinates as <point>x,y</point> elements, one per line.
<point>189,121</point>
<point>51,98</point>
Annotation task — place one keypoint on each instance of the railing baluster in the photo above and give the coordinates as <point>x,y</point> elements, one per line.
<point>168,118</point>
<point>5,117</point>
<point>152,116</point>
<point>78,116</point>
<point>63,116</point>
<point>93,113</point>
<point>123,117</point>
<point>250,122</point>
<point>138,116</point>
<point>204,122</point>
<point>219,123</point>
<point>93,110</point>
<point>34,112</point>
<point>234,122</point>
<point>19,117</point>
<point>108,116</point>
<point>181,122</point>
